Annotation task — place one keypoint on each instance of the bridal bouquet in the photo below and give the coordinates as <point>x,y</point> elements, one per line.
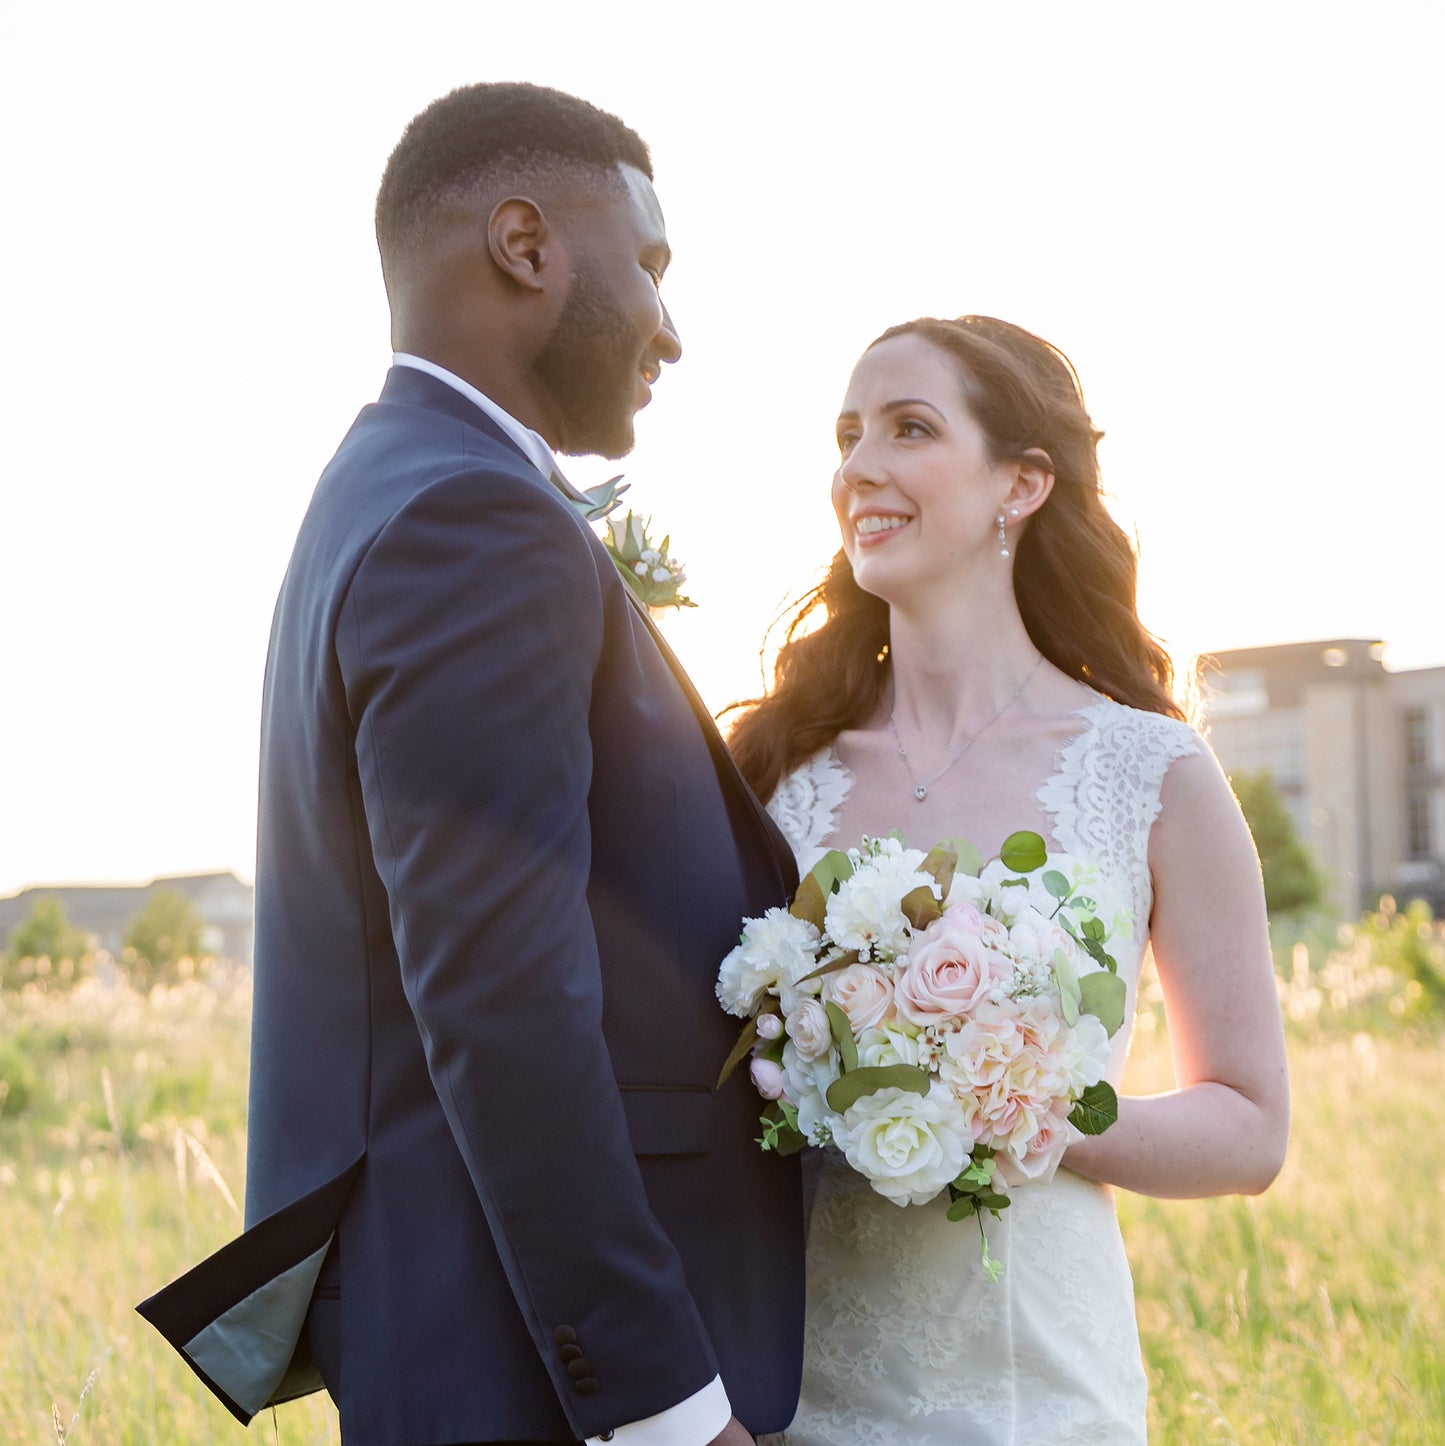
<point>939,1024</point>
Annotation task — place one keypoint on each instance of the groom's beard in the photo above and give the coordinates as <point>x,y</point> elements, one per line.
<point>589,367</point>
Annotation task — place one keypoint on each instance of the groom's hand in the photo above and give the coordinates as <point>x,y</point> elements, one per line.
<point>733,1434</point>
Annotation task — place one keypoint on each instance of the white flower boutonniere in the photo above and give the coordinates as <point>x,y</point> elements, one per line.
<point>649,570</point>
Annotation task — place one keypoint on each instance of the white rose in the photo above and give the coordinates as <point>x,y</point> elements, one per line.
<point>809,1029</point>
<point>878,1048</point>
<point>908,1146</point>
<point>806,1086</point>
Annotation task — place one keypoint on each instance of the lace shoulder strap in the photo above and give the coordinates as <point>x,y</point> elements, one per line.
<point>1104,795</point>
<point>806,803</point>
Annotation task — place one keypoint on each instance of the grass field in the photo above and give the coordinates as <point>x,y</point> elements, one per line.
<point>1315,1313</point>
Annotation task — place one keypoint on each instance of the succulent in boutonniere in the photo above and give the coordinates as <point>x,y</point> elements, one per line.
<point>596,502</point>
<point>649,571</point>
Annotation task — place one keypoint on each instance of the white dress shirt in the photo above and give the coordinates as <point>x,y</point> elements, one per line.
<point>695,1421</point>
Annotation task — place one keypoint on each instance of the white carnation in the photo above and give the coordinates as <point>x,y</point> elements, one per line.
<point>776,951</point>
<point>864,914</point>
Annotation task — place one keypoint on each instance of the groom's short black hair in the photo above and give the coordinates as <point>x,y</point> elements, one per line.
<point>480,135</point>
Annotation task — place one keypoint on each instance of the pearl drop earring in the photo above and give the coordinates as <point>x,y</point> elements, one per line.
<point>1002,538</point>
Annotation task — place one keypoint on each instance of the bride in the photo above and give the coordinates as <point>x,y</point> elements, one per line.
<point>980,669</point>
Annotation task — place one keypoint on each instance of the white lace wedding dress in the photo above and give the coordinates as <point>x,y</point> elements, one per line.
<point>907,1342</point>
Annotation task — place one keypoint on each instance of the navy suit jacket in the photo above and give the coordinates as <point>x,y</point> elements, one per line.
<point>502,851</point>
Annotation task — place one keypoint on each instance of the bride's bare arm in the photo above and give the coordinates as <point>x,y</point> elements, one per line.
<point>1224,1129</point>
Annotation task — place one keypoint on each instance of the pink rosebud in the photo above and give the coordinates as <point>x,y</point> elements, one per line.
<point>964,915</point>
<point>767,1078</point>
<point>769,1026</point>
<point>809,1030</point>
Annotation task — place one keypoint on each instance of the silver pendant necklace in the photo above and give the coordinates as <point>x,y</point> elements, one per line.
<point>920,789</point>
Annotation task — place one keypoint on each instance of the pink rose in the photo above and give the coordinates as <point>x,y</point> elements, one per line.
<point>950,972</point>
<point>1041,1155</point>
<point>767,1078</point>
<point>862,993</point>
<point>809,1030</point>
<point>979,1054</point>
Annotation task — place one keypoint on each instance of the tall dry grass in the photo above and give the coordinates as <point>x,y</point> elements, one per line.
<point>1314,1314</point>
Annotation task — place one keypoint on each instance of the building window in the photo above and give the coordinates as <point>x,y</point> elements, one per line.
<point>1417,825</point>
<point>1417,738</point>
<point>1237,694</point>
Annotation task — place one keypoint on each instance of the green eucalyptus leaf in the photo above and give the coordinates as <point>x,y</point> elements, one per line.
<point>1057,884</point>
<point>740,1050</point>
<point>1096,1110</point>
<point>809,903</point>
<point>1093,929</point>
<point>941,865</point>
<point>832,966</point>
<point>962,1208</point>
<point>1023,852</point>
<point>919,906</point>
<point>849,1088</point>
<point>1068,982</point>
<point>970,861</point>
<point>842,1036</point>
<point>831,870</point>
<point>1103,995</point>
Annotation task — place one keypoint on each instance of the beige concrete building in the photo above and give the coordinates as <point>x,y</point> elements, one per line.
<point>1357,751</point>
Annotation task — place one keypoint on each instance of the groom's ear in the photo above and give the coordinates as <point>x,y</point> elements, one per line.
<point>520,239</point>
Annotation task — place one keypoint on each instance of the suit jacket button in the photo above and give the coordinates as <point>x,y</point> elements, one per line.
<point>605,1435</point>
<point>579,1369</point>
<point>570,1353</point>
<point>565,1336</point>
<point>587,1385</point>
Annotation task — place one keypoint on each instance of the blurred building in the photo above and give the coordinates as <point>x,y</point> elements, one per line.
<point>105,911</point>
<point>1357,752</point>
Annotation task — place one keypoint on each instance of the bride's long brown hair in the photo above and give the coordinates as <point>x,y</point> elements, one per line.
<point>1074,569</point>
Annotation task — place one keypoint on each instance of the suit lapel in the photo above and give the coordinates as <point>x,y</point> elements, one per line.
<point>778,847</point>
<point>408,386</point>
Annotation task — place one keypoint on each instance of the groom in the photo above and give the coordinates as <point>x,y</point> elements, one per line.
<point>491,1192</point>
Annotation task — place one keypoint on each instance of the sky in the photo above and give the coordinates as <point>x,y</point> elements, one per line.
<point>1226,214</point>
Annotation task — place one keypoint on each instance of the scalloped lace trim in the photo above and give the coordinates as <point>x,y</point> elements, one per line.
<point>805,804</point>
<point>1104,794</point>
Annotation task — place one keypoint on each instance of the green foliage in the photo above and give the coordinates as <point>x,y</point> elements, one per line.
<point>18,1079</point>
<point>162,938</point>
<point>1291,882</point>
<point>1410,944</point>
<point>1097,1108</point>
<point>45,946</point>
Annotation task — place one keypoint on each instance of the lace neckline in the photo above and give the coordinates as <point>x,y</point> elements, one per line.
<point>831,767</point>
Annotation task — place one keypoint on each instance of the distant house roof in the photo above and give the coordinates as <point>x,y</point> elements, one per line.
<point>106,909</point>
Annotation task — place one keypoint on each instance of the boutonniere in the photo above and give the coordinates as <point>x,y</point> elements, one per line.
<point>646,566</point>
